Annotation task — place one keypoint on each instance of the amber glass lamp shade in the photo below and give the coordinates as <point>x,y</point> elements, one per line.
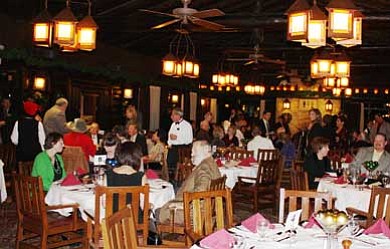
<point>39,83</point>
<point>341,17</point>
<point>298,21</point>
<point>43,30</point>
<point>169,65</point>
<point>86,33</point>
<point>65,28</point>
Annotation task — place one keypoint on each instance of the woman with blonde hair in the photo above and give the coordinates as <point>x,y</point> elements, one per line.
<point>314,128</point>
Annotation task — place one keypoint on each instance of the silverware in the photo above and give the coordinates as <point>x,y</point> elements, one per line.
<point>283,239</point>
<point>365,241</point>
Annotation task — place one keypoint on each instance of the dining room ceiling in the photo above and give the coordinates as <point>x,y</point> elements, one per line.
<point>122,24</point>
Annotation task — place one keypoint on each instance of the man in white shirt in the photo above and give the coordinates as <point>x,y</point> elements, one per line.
<point>259,142</point>
<point>376,153</point>
<point>179,135</point>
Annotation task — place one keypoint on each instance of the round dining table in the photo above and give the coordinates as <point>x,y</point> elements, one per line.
<point>160,192</point>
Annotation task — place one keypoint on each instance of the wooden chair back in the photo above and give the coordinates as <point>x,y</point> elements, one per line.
<point>183,170</point>
<point>239,154</point>
<point>379,206</point>
<point>74,158</point>
<point>268,172</point>
<point>299,180</point>
<point>200,219</point>
<point>265,155</point>
<point>30,199</point>
<point>302,200</point>
<point>112,198</point>
<point>164,166</point>
<point>297,165</point>
<point>25,168</point>
<point>218,184</point>
<point>8,156</point>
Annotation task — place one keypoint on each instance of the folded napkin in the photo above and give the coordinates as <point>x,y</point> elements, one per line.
<point>379,227</point>
<point>151,174</point>
<point>219,162</point>
<point>70,180</point>
<point>348,158</point>
<point>80,171</point>
<point>221,239</point>
<point>247,161</point>
<point>251,222</point>
<point>340,180</point>
<point>311,223</point>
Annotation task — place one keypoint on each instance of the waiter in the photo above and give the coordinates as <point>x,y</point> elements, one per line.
<point>180,135</point>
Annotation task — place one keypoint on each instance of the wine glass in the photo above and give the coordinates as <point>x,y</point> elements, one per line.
<point>262,227</point>
<point>385,180</point>
<point>353,226</point>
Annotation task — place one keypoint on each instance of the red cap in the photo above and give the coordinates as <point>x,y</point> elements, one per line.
<point>30,108</point>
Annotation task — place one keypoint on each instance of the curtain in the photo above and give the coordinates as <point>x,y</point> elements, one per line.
<point>214,109</point>
<point>154,113</point>
<point>193,104</point>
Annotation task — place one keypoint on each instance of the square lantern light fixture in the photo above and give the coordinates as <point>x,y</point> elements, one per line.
<point>308,24</point>
<point>328,106</point>
<point>330,65</point>
<point>65,30</point>
<point>39,83</point>
<point>128,93</point>
<point>181,61</point>
<point>286,104</point>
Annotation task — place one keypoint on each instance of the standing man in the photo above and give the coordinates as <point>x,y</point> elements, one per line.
<point>54,119</point>
<point>264,124</point>
<point>179,135</point>
<point>380,126</point>
<point>6,120</point>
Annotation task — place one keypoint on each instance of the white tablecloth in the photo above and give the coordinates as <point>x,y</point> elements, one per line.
<point>85,197</point>
<point>346,195</point>
<point>312,238</point>
<point>232,172</point>
<point>3,189</point>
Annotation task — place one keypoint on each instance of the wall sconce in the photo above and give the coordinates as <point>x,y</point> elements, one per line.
<point>348,92</point>
<point>128,93</point>
<point>286,104</point>
<point>175,98</point>
<point>39,83</point>
<point>202,102</point>
<point>328,106</point>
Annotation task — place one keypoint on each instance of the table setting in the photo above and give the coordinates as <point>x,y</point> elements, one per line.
<point>234,168</point>
<point>328,229</point>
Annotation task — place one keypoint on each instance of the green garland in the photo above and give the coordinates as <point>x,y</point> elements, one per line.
<point>24,55</point>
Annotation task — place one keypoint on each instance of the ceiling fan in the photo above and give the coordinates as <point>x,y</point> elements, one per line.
<point>187,15</point>
<point>257,57</point>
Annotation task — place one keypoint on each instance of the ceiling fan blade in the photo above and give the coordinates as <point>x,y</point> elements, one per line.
<point>250,63</point>
<point>208,13</point>
<point>206,24</point>
<point>162,25</point>
<point>237,59</point>
<point>158,13</point>
<point>272,61</point>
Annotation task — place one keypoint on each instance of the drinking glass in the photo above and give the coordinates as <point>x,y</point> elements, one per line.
<point>353,226</point>
<point>262,227</point>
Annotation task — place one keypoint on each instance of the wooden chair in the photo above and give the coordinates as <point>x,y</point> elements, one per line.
<point>25,168</point>
<point>218,184</point>
<point>201,219</point>
<point>109,198</point>
<point>120,231</point>
<point>74,158</point>
<point>164,166</point>
<point>378,207</point>
<point>239,154</point>
<point>33,216</point>
<point>299,180</point>
<point>264,155</point>
<point>297,165</point>
<point>8,156</point>
<point>183,170</point>
<point>260,190</point>
<point>302,200</point>
<point>184,153</point>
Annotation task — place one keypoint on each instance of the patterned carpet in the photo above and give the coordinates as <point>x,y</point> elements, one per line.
<point>8,221</point>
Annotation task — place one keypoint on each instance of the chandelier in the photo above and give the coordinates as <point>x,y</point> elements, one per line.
<point>69,33</point>
<point>253,89</point>
<point>180,61</point>
<point>307,24</point>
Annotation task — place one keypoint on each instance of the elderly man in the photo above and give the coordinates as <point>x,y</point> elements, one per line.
<point>380,126</point>
<point>136,137</point>
<point>54,119</point>
<point>204,171</point>
<point>179,135</point>
<point>376,153</point>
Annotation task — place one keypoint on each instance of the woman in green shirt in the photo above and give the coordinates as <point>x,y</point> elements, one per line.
<point>49,164</point>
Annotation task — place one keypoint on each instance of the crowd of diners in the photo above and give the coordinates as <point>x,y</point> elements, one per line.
<point>42,139</point>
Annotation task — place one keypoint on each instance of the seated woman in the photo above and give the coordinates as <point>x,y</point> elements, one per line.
<point>156,153</point>
<point>49,164</point>
<point>129,156</point>
<point>230,138</point>
<point>110,143</point>
<point>317,163</point>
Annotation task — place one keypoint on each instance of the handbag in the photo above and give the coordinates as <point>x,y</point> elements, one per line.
<point>154,237</point>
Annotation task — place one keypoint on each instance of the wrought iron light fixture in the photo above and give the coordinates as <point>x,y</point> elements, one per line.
<point>308,24</point>
<point>70,34</point>
<point>183,62</point>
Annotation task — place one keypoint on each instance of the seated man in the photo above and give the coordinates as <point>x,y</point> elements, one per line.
<point>375,153</point>
<point>259,142</point>
<point>205,169</point>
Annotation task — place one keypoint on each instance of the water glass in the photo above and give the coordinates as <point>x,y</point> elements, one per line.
<point>262,228</point>
<point>353,226</point>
